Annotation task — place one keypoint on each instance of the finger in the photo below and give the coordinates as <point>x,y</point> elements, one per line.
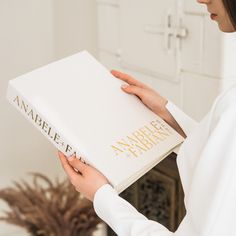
<point>71,173</point>
<point>134,90</point>
<point>127,78</point>
<point>77,164</point>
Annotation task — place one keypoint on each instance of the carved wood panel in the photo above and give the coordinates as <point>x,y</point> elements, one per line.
<point>159,194</point>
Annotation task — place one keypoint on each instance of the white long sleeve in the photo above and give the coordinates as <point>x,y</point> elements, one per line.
<point>185,122</point>
<point>122,217</point>
<point>206,162</point>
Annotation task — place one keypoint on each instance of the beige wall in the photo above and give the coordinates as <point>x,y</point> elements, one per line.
<point>34,33</point>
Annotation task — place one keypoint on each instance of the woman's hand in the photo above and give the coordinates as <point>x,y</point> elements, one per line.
<point>153,100</point>
<point>86,179</point>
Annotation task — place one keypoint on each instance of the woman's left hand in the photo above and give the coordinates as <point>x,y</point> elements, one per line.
<point>86,179</point>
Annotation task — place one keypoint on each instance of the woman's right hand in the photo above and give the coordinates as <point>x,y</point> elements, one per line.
<point>153,100</point>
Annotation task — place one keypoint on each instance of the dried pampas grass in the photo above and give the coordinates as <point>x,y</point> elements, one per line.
<point>45,208</point>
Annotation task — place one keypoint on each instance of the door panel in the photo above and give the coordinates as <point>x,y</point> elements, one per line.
<point>148,43</point>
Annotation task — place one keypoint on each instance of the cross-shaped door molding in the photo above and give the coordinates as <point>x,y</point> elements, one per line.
<point>168,30</point>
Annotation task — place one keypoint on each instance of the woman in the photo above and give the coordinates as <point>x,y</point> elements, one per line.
<point>206,160</point>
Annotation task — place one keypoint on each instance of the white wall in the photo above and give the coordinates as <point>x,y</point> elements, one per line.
<point>26,43</point>
<point>75,26</point>
<point>34,33</point>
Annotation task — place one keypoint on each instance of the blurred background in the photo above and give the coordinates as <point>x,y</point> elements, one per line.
<point>171,45</point>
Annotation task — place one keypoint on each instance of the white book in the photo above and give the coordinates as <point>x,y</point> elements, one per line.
<point>80,107</point>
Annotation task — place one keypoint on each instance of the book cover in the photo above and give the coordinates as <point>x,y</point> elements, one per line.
<point>79,106</point>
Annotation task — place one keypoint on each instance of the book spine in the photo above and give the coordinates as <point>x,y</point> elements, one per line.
<point>42,124</point>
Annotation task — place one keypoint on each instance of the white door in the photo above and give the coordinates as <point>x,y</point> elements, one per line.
<point>151,34</point>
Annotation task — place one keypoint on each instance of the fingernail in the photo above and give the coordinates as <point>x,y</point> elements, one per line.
<point>124,86</point>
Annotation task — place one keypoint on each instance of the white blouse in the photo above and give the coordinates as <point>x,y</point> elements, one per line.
<point>207,166</point>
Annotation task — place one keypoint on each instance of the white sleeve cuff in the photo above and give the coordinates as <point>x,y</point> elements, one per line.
<point>103,195</point>
<point>185,122</point>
